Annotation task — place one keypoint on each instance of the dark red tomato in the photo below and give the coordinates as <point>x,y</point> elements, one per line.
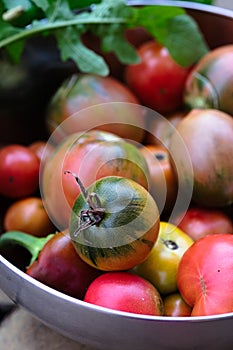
<point>19,171</point>
<point>158,81</point>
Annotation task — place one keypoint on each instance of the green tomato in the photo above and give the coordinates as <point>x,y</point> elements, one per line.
<point>160,267</point>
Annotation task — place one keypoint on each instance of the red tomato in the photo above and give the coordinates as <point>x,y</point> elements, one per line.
<point>19,171</point>
<point>42,149</point>
<point>158,81</point>
<point>205,275</point>
<point>198,222</point>
<point>125,291</point>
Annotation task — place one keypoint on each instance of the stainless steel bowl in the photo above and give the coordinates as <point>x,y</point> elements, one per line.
<point>107,329</point>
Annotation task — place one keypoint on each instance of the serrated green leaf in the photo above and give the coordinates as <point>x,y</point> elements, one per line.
<point>184,41</point>
<point>71,47</point>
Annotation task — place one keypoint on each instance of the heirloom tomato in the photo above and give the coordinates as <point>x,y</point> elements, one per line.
<point>201,151</point>
<point>210,83</point>
<point>92,155</point>
<point>114,223</point>
<point>205,275</point>
<point>95,102</point>
<point>160,267</point>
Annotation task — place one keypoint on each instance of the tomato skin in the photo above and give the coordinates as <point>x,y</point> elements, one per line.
<point>157,81</point>
<point>127,230</point>
<point>42,149</point>
<point>175,306</point>
<point>160,267</point>
<point>198,222</point>
<point>207,135</point>
<point>92,155</point>
<point>125,291</point>
<point>59,266</point>
<point>162,179</point>
<point>93,103</point>
<point>209,84</point>
<point>28,215</point>
<point>19,171</point>
<point>205,278</point>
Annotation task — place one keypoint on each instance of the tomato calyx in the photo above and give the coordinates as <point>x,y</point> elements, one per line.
<point>94,214</point>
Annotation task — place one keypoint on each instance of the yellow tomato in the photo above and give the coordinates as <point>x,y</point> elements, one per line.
<point>160,267</point>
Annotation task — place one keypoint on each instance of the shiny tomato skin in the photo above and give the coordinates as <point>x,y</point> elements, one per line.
<point>19,171</point>
<point>201,151</point>
<point>205,275</point>
<point>28,215</point>
<point>92,155</point>
<point>198,222</point>
<point>124,291</point>
<point>162,179</point>
<point>175,306</point>
<point>59,266</point>
<point>95,102</point>
<point>210,83</point>
<point>157,81</point>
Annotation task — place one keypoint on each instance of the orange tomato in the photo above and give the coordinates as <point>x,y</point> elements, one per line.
<point>28,215</point>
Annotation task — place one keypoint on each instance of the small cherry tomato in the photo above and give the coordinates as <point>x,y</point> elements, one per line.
<point>158,81</point>
<point>28,215</point>
<point>19,171</point>
<point>125,291</point>
<point>175,306</point>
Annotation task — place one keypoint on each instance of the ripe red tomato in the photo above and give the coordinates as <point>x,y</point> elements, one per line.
<point>158,81</point>
<point>198,222</point>
<point>19,171</point>
<point>125,291</point>
<point>205,275</point>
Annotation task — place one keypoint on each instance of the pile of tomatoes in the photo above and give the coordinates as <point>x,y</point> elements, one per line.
<point>134,187</point>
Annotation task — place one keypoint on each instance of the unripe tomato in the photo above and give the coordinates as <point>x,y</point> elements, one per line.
<point>157,81</point>
<point>160,267</point>
<point>114,223</point>
<point>210,83</point>
<point>124,291</point>
<point>19,171</point>
<point>28,215</point>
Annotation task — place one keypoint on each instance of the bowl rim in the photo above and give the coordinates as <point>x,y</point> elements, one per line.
<point>78,302</point>
<point>213,9</point>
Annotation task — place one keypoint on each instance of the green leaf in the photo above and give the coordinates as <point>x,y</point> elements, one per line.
<point>42,4</point>
<point>184,41</point>
<point>71,47</point>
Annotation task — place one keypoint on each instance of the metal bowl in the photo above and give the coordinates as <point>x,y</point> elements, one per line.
<point>107,329</point>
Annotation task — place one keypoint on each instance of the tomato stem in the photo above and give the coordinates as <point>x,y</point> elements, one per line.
<point>94,214</point>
